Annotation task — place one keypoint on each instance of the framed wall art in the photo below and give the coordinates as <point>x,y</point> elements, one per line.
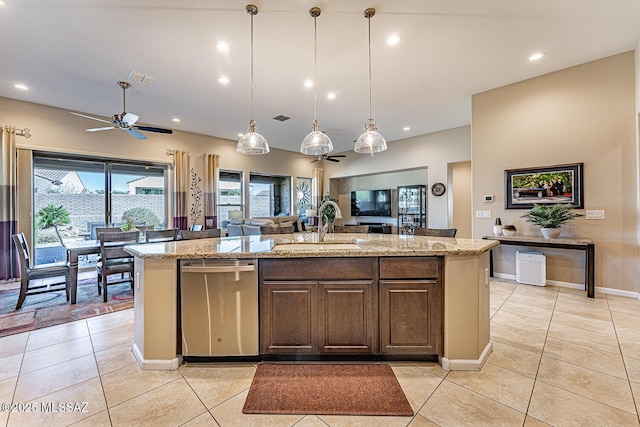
<point>544,185</point>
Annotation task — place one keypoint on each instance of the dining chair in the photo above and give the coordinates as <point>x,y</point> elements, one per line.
<point>287,229</point>
<point>350,228</point>
<point>99,230</point>
<point>114,259</point>
<point>435,232</point>
<point>42,271</point>
<point>143,229</point>
<point>157,236</point>
<point>204,234</point>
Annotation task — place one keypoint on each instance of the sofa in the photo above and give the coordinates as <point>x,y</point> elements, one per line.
<point>281,224</point>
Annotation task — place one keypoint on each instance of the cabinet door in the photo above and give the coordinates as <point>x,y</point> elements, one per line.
<point>347,317</point>
<point>288,317</point>
<point>410,317</point>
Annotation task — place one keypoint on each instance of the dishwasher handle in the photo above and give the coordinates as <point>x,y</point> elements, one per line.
<point>220,269</point>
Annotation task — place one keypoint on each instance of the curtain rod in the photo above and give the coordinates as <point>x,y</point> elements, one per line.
<point>171,152</point>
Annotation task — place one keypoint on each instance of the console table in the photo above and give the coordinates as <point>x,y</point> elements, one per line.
<point>577,244</point>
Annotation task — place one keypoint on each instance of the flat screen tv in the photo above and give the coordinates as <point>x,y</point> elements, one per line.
<point>371,203</point>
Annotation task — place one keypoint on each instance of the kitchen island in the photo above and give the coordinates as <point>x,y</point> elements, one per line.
<point>387,271</point>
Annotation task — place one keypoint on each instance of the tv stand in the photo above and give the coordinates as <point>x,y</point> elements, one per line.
<point>377,227</point>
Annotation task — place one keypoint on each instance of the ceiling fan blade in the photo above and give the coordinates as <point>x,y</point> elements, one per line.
<point>313,161</point>
<point>89,117</point>
<point>339,155</point>
<point>332,160</point>
<point>130,119</point>
<point>99,129</point>
<point>135,133</point>
<point>152,129</point>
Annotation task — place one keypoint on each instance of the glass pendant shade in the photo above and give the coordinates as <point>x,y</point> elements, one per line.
<point>316,143</point>
<point>370,141</point>
<point>252,142</point>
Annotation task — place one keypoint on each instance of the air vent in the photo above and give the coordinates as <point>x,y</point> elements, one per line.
<point>143,79</point>
<point>281,118</point>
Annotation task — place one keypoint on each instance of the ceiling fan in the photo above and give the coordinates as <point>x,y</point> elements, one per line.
<point>330,158</point>
<point>125,121</point>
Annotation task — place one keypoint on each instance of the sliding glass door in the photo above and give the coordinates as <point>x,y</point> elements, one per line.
<point>73,196</point>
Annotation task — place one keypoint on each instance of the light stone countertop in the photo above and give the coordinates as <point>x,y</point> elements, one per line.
<point>262,246</point>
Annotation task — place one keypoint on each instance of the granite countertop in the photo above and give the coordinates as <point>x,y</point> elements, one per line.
<point>542,240</point>
<point>306,245</point>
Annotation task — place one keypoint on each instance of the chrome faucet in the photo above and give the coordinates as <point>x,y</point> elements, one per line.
<point>320,209</point>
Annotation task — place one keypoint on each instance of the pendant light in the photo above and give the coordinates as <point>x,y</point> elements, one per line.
<point>316,143</point>
<point>370,141</point>
<point>252,142</point>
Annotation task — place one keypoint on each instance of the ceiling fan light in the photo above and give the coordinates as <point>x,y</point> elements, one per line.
<point>370,141</point>
<point>252,142</point>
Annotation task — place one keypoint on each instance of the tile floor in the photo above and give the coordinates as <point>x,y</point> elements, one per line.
<point>559,359</point>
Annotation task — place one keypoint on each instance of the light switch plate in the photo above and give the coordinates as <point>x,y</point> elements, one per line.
<point>595,214</point>
<point>483,214</point>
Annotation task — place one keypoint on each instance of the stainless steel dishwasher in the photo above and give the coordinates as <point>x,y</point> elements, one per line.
<point>219,307</point>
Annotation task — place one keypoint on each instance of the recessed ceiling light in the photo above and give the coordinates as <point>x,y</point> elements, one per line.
<point>536,56</point>
<point>406,128</point>
<point>20,86</point>
<point>3,2</point>
<point>308,83</point>
<point>331,95</point>
<point>176,119</point>
<point>393,39</point>
<point>224,80</point>
<point>241,134</point>
<point>222,47</point>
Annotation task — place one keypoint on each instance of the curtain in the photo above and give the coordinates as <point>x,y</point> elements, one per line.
<point>9,268</point>
<point>317,187</point>
<point>181,169</point>
<point>210,184</point>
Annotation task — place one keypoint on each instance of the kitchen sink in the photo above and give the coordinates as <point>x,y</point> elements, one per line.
<point>316,246</point>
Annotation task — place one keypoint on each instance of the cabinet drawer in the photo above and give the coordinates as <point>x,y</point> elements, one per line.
<point>317,268</point>
<point>409,267</point>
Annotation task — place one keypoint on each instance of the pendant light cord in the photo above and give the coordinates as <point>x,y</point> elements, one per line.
<point>252,67</point>
<point>315,69</point>
<point>370,116</point>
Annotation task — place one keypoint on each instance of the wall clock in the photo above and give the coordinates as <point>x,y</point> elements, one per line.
<point>438,189</point>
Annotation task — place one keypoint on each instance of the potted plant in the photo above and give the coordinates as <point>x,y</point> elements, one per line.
<point>550,217</point>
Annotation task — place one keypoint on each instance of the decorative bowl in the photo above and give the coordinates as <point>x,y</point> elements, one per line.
<point>509,230</point>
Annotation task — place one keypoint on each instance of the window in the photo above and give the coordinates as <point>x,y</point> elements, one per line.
<point>73,196</point>
<point>231,203</point>
<point>270,195</point>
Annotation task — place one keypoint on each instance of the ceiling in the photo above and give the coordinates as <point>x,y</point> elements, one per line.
<point>70,53</point>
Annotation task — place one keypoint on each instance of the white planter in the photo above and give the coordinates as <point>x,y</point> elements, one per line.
<point>550,233</point>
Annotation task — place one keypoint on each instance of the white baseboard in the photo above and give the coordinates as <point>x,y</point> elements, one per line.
<point>578,286</point>
<point>467,364</point>
<point>155,364</point>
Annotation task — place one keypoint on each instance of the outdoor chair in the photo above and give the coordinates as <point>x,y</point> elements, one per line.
<point>42,271</point>
<point>114,259</point>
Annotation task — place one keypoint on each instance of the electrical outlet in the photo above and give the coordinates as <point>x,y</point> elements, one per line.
<point>595,214</point>
<point>483,214</point>
<point>486,277</point>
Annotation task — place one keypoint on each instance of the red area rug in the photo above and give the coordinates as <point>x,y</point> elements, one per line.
<point>326,389</point>
<point>42,310</point>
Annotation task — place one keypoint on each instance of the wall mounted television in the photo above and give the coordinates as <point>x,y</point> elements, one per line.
<point>371,203</point>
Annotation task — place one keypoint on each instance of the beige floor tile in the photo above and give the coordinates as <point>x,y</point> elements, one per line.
<point>594,385</point>
<point>110,321</point>
<point>630,348</point>
<point>13,344</point>
<point>533,422</point>
<point>101,419</point>
<point>215,384</point>
<point>626,325</point>
<point>7,387</point>
<point>131,381</point>
<point>54,354</point>
<point>311,421</point>
<point>633,369</point>
<point>527,340</point>
<point>583,309</point>
<point>515,359</point>
<point>581,322</point>
<point>603,342</point>
<point>549,292</point>
<point>115,358</point>
<point>579,296</point>
<point>416,384</point>
<point>504,386</point>
<point>624,304</point>
<point>78,402</point>
<point>171,405</point>
<point>635,388</point>
<point>533,301</point>
<point>48,380</point>
<point>453,405</point>
<point>112,337</point>
<point>57,334</point>
<point>363,421</point>
<point>587,357</point>
<point>420,421</point>
<point>561,408</point>
<point>10,366</point>
<point>203,420</point>
<point>539,313</point>
<point>229,414</point>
